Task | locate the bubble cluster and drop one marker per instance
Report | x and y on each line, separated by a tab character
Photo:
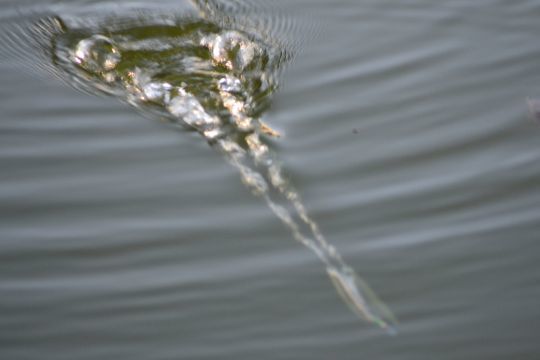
208	78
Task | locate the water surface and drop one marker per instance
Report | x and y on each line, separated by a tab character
406	131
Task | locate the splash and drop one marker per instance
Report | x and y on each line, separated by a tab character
217	79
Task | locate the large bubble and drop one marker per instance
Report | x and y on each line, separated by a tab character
96	54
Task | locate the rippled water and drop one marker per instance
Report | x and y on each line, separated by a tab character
405	128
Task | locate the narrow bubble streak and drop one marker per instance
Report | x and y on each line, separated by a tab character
354	292
255	181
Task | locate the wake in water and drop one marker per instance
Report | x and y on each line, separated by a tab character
204	72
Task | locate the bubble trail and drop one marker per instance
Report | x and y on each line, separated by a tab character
355	292
206	74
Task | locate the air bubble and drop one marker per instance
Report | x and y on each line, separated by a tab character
230	84
189	109
157	92
232	50
97	54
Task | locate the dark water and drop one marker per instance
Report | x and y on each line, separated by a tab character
406	131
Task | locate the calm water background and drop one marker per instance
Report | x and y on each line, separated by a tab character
408	136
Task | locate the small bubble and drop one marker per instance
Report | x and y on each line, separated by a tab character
230	84
157	92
